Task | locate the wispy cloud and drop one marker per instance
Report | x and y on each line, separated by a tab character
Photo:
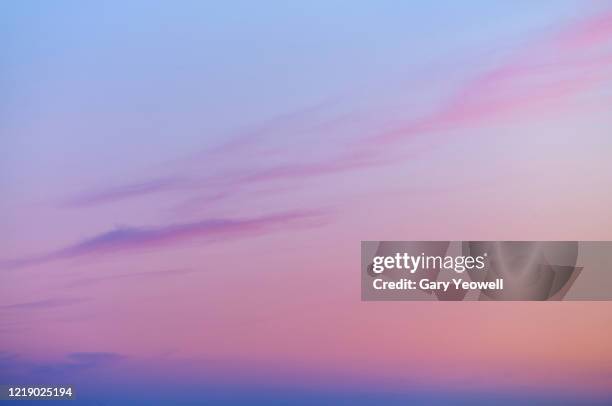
300	121
44	304
75	363
342	163
589	32
133	238
242	145
539	76
122	192
133	275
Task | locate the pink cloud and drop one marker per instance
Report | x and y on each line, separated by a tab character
540	75
540	78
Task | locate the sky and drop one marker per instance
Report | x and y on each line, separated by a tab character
185	187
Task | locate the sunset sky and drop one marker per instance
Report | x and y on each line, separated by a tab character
185	185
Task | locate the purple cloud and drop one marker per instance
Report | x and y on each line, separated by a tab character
305	120
75	363
124	192
18	368
131	238
516	86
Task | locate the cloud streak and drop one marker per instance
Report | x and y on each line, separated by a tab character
551	70
541	76
75	363
125	191
44	304
139	238
134	275
244	144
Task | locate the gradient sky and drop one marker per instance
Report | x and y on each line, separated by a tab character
185	187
